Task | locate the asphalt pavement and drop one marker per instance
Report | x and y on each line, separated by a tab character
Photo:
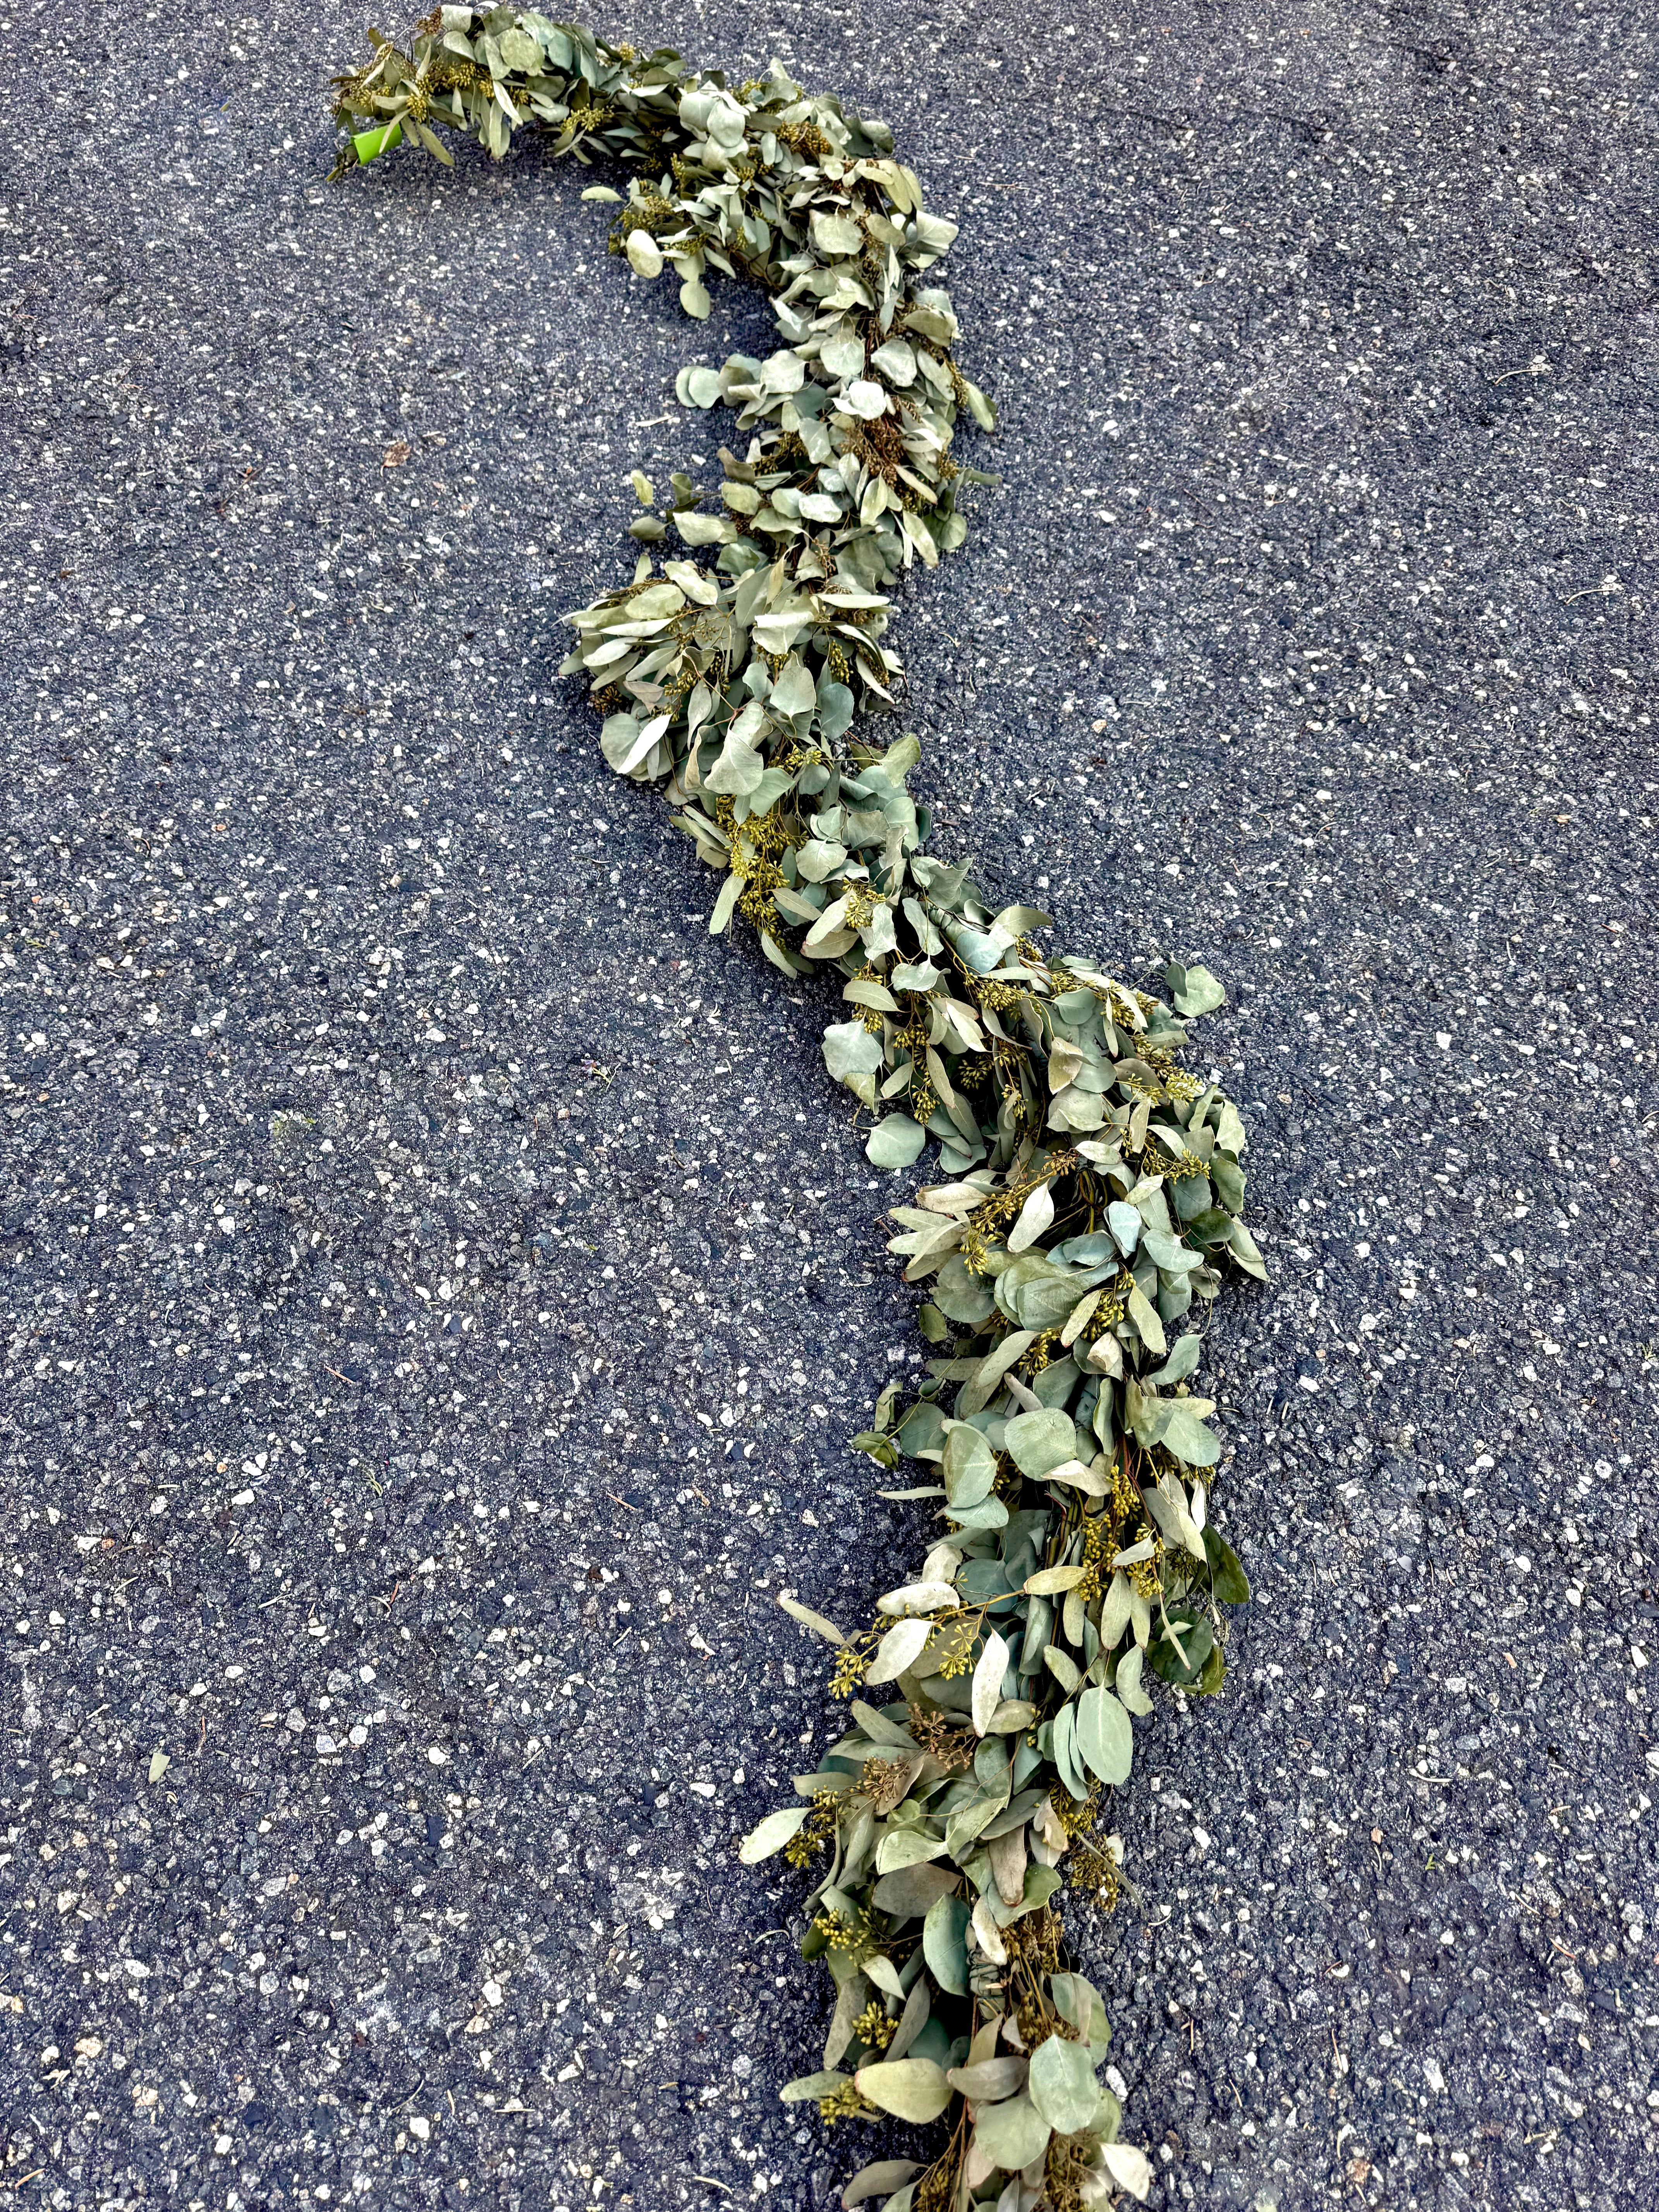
440	1282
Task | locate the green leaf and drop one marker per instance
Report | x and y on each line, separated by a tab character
696	387
990	2079
1167	1252
929	1320
771	1834
1181	1361
989	1513
793	692
644	254
1196	1640
963	1297
1194	990
726	905
834	237
1128	2167
1229	1179
842	357
988	1671
1078	2001
1104	1736
1144	1314
880	1447
910	1598
1245	1251
813	2086
1182	1432
835	711
903	1847
969	1466
1126	1223
913	2089
1063	2084
1040	1441
694	296
520	52
911	1892
1035	1216
1040	1883
899	1651
877	2180
1127	1681
980	407
1072	1772
1010	2135
1211	1224
370	144
1049	1582
1039	1293
626	743
1228	1580
944	1943
896	362
815	1621
849	1050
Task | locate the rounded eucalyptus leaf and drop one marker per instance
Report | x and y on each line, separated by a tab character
644	254
1009	2136
1061	2084
910	2088
1041	1441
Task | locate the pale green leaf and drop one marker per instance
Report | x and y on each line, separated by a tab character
771	1834
1103	1736
896	1142
1061	2084
877	2180
1035	1216
913	2089
1040	1441
1129	2167
1194	990
816	1621
899	1650
988	1671
849	1049
644	254
944	1943
1011	2135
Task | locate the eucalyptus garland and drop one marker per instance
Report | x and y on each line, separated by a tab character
1089	1193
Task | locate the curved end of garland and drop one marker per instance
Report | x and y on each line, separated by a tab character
1090	1193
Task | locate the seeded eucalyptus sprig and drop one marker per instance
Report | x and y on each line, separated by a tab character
1089	1192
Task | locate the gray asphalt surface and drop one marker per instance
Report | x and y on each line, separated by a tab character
440	1283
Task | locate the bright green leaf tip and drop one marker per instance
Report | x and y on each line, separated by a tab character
370	144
